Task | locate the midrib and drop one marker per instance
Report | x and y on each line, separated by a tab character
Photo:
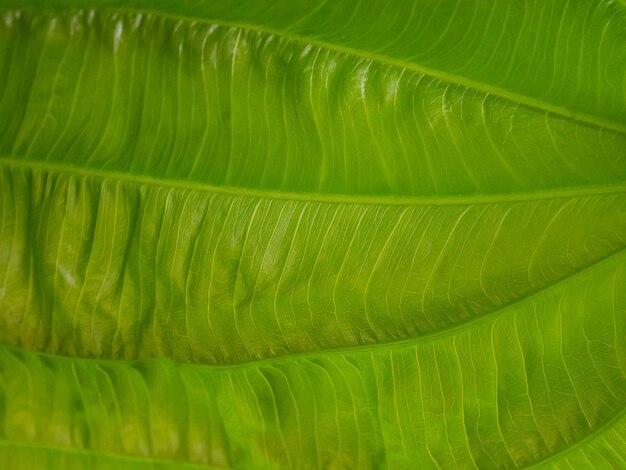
148	460
518	98
447	200
593	434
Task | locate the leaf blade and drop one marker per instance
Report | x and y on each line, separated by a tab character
402	234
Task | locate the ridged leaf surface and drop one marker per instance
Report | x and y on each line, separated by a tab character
272	234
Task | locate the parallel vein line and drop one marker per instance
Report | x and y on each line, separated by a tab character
508	95
597	432
443	333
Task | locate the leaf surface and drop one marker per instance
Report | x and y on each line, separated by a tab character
326	235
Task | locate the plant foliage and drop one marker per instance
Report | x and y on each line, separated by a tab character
347	234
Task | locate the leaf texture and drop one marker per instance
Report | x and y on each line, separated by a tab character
325	235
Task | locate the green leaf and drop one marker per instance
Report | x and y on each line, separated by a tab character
272	234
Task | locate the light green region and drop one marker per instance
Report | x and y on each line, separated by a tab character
348	234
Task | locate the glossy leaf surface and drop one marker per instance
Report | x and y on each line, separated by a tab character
325	235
